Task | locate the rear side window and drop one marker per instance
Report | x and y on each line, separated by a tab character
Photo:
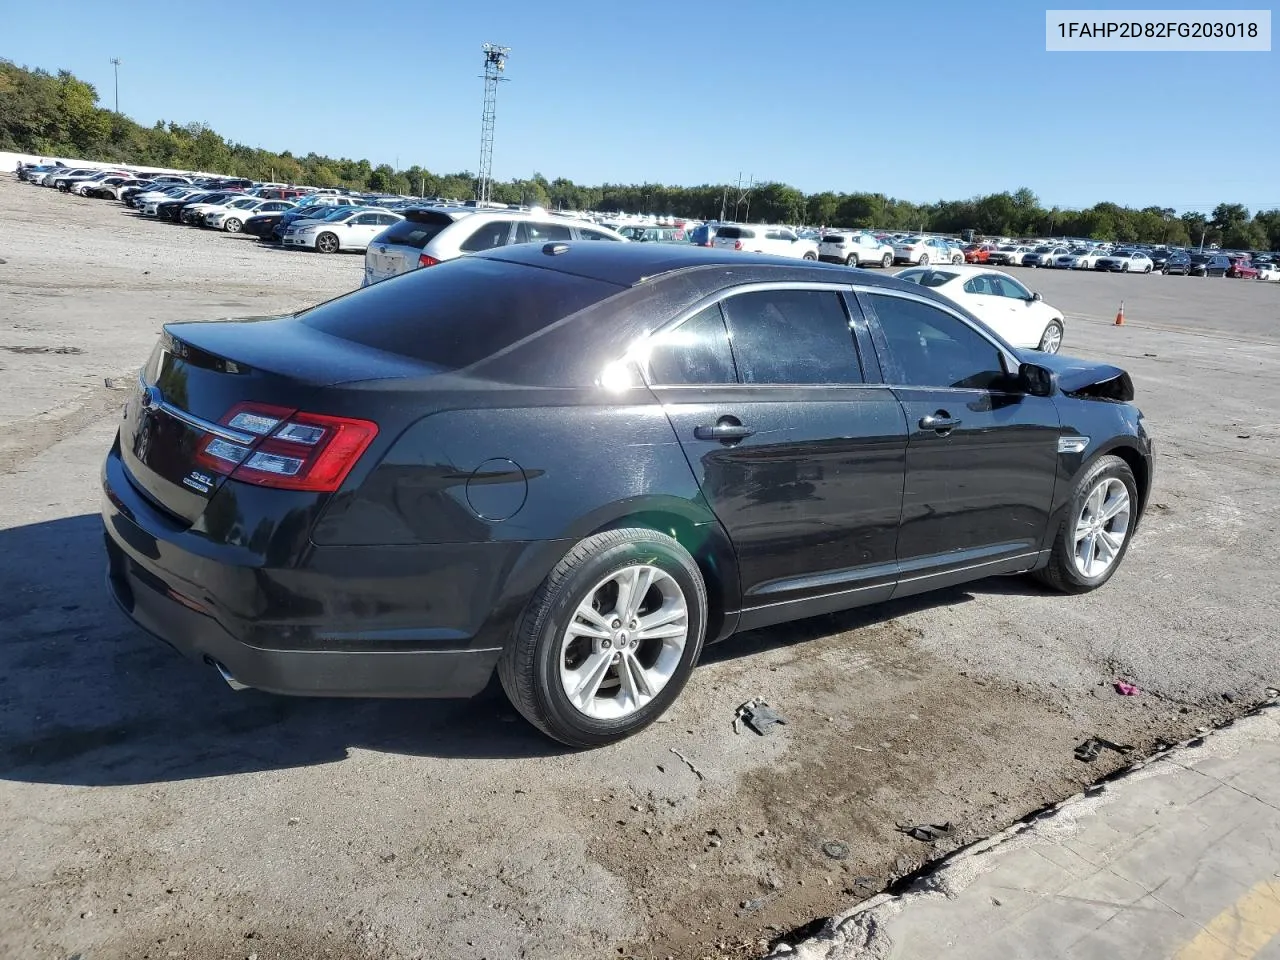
417	230
458	312
792	337
487	236
696	352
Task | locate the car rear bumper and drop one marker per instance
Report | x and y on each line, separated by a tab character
158	578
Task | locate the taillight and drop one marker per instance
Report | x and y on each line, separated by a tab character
292	449
426	260
737	244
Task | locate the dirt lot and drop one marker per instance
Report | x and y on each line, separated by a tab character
146	811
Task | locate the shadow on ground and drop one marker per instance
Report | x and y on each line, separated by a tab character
87	698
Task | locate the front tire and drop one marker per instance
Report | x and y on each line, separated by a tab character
811	256
1147	268
232	225
1095	533
609	640
327	243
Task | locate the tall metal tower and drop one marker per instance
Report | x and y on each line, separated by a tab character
495	62
115	62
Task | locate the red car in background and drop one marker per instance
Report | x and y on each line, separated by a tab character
1243	268
978	252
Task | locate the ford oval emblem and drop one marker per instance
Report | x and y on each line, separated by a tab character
151	398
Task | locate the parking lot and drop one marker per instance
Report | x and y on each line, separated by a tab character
146	810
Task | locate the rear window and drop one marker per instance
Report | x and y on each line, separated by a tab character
416	230
833	238
734	233
456	313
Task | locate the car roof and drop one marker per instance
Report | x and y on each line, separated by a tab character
630	264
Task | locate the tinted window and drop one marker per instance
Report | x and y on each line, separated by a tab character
434	315
417	230
1008	287
585	234
792	336
696	352
929	278
487	236
931	348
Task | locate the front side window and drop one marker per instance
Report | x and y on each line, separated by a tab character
932	348
792	337
530	232
696	352
1008	287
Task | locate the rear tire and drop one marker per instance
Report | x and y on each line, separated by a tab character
327	243
534	662
886	261
958	258
924	260
851	260
1064	571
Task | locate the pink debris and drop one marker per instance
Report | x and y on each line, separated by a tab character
1126	689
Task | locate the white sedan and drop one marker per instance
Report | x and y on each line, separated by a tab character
998	300
352	229
1268	271
1086	260
231	218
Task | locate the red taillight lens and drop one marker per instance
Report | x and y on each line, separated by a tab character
427	261
294	450
737	244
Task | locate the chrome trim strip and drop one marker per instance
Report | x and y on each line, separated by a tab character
972	566
191	420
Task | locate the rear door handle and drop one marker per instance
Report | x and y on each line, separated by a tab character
940	421
726	430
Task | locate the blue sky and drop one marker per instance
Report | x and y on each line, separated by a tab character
926	101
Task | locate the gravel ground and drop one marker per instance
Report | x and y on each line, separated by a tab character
146	811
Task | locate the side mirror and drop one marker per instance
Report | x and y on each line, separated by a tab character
1036	297
1035	380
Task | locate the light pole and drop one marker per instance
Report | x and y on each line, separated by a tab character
115	63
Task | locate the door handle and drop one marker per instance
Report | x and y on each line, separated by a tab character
726	430
941	421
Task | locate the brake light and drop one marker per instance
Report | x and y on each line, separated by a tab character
293	450
425	260
737	244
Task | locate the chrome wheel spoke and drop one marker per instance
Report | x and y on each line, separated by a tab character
1101	527
589	676
1109	544
634	680
627	581
588	623
1115	506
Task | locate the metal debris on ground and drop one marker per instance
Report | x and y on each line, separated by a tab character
1125	688
1091	748
757	715
927	832
835	850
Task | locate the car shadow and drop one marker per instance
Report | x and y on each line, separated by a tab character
87	698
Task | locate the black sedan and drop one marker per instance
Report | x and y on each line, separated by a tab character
575	464
263	225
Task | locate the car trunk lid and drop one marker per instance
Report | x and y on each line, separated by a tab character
181	414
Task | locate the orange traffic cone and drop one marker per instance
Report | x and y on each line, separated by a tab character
1120	315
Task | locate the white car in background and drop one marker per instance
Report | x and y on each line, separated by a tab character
352	229
761	238
148	202
998	300
1087	260
430	235
78	187
231	218
925	250
1268	271
855	248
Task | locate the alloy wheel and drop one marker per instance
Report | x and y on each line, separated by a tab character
1101	527
624	642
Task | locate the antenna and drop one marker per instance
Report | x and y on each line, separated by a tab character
495	62
115	63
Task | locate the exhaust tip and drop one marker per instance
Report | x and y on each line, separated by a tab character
223	672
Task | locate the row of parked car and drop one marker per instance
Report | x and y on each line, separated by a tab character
1126	260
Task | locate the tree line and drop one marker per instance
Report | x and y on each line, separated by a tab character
57	114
